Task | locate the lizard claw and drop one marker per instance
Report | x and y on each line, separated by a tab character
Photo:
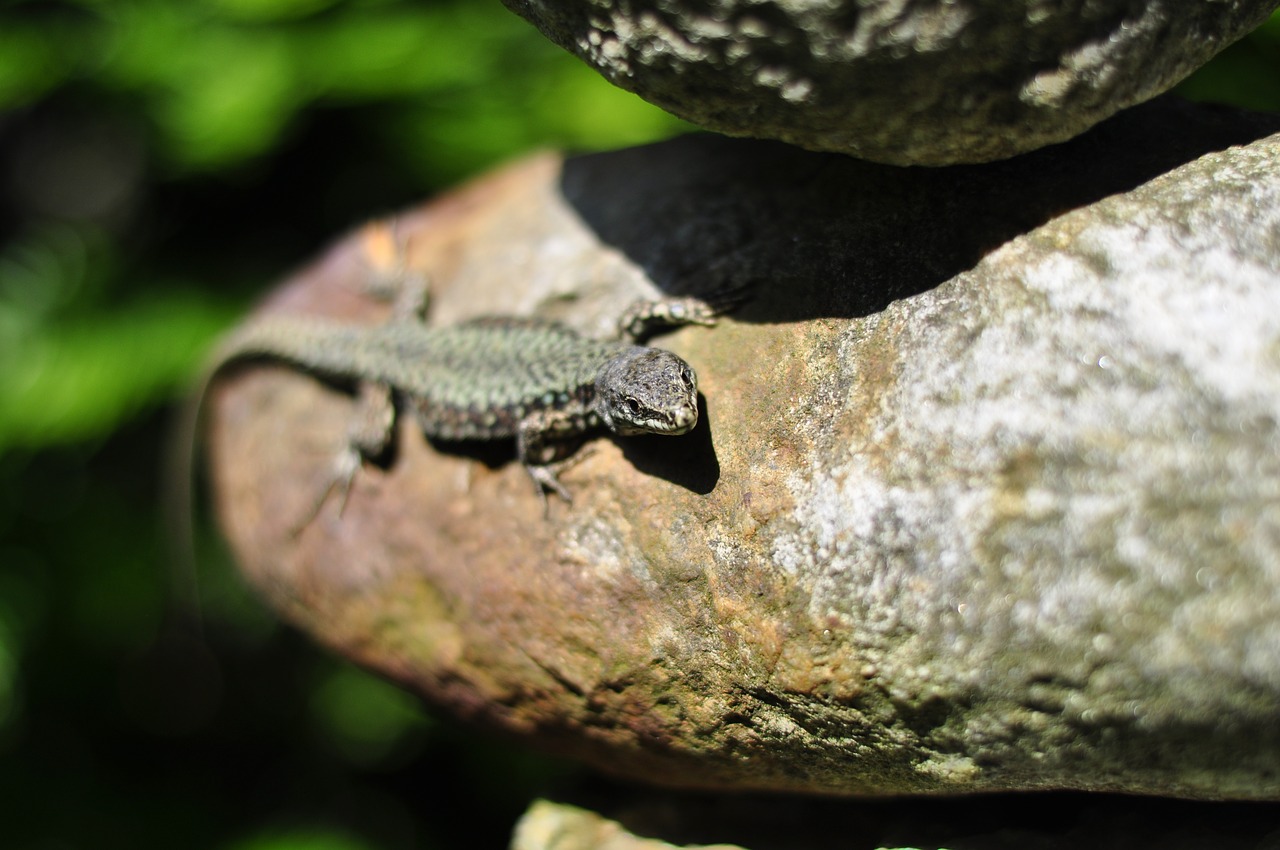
544	479
345	467
343	474
546	476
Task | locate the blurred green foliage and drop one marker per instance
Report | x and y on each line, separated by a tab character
159	94
1246	74
221	80
161	161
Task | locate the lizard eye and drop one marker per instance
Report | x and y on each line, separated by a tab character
632	405
687	378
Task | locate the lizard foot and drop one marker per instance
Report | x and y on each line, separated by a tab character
388	275
341	476
544	479
546	476
645	318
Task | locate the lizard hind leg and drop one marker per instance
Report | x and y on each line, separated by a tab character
388	274
368	435
412	298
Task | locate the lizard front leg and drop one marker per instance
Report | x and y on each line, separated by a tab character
645	318
373	423
545	443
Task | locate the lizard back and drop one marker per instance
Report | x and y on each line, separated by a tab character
473	380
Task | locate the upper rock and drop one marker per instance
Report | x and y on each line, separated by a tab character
894	82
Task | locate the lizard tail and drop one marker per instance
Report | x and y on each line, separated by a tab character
178	489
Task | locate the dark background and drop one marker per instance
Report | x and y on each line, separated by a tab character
161	163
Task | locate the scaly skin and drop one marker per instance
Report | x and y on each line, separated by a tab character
487	379
478	380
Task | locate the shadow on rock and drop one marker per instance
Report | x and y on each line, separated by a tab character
702	214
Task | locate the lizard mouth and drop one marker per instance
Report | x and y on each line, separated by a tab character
684	419
679	421
674	423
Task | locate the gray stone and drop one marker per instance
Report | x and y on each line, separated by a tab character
895	82
633	819
559	826
986	493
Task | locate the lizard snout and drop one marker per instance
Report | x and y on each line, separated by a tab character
684	418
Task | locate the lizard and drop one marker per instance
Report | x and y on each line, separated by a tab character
530	380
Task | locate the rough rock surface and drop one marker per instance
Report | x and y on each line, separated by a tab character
894	82
986	493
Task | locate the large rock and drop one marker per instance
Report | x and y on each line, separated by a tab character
986	493
894	82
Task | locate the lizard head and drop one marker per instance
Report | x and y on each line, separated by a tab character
647	391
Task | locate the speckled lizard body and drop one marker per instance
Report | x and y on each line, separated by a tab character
531	380
488	379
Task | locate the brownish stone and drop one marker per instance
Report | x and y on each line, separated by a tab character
890	558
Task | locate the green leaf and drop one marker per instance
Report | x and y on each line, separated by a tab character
364	717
